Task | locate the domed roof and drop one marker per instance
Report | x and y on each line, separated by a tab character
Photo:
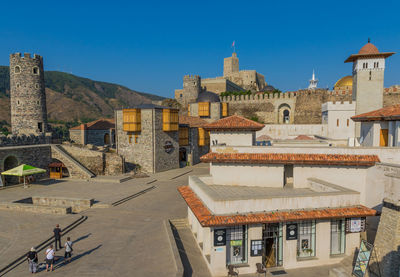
368	48
346	81
208	96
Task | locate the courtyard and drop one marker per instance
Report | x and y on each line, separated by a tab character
125	233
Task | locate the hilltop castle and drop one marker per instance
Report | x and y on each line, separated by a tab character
201	97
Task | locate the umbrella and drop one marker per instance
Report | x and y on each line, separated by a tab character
23	170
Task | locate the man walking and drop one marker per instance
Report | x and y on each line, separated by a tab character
49	258
57	236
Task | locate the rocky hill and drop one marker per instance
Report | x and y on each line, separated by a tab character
72	98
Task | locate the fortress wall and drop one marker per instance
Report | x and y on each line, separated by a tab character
286	131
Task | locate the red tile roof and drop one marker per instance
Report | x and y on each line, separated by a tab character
303	137
192	121
288	158
387	113
100	124
370	51
207	219
264	137
368	48
235	122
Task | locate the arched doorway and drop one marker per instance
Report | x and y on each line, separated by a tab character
284	111
182	156
106	139
58	169
9	163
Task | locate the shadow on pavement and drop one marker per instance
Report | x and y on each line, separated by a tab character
59	264
187	268
81	238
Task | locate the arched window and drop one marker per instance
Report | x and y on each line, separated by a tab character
17	69
35	70
286	116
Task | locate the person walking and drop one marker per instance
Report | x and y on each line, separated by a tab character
57	236
32	260
49	258
68	250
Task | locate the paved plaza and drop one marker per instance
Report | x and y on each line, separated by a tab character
129	239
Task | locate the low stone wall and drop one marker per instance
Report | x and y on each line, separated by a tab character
76	204
22	207
288	131
13	140
114	164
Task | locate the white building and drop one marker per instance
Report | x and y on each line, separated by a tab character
283	209
380	127
337	116
313	82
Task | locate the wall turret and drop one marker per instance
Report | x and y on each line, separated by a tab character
27	94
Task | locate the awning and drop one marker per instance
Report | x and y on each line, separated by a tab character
23	170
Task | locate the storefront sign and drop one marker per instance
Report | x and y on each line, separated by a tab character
355	225
219	237
236	242
291	231
168	147
256	248
360	267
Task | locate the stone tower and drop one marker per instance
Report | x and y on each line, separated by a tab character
28	96
368	76
191	89
231	65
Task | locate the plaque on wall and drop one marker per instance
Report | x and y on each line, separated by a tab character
256	248
219	237
168	147
291	231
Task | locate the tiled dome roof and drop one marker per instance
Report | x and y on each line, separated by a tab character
208	96
368	48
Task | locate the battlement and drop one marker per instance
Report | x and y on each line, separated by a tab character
18	140
26	56
339	106
191	77
392	90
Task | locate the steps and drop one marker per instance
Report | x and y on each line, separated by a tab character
75	168
180	223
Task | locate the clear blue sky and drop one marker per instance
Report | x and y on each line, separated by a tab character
149	45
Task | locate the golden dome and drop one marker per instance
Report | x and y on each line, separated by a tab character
346	81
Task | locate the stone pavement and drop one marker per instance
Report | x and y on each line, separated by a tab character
126	240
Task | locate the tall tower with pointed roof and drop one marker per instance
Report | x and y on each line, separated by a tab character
313	82
368	76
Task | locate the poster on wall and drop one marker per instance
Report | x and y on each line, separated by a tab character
363	257
291	231
256	248
355	224
219	237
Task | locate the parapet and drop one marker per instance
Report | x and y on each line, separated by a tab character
191	77
26	56
17	140
339	106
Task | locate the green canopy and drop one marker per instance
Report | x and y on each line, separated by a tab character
23	170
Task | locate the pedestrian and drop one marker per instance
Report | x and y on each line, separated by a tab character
68	250
57	236
49	258
32	260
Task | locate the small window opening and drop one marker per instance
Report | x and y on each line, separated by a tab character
348	122
35	70
17	69
337	122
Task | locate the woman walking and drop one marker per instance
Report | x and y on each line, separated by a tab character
32	260
68	250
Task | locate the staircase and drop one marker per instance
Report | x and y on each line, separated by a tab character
75	168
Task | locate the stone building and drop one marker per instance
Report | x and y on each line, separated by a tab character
99	132
147	135
194	141
208	106
276	206
27	94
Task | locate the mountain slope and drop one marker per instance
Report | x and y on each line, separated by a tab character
70	97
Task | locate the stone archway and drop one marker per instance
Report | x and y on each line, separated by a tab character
284	114
9	163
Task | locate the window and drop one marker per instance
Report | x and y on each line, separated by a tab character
338	237
36	85
370	75
337	122
236	245
183	136
204	137
170	120
180	95
306	239
348	121
130	138
17	69
35	70
18	85
131	120
136	138
204	109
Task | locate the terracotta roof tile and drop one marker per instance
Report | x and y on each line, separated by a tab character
100	124
207	219
235	122
303	137
192	121
264	137
289	158
386	113
368	48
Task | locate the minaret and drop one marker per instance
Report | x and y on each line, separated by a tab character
368	76
313	82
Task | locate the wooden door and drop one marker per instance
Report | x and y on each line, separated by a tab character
383	137
270	252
